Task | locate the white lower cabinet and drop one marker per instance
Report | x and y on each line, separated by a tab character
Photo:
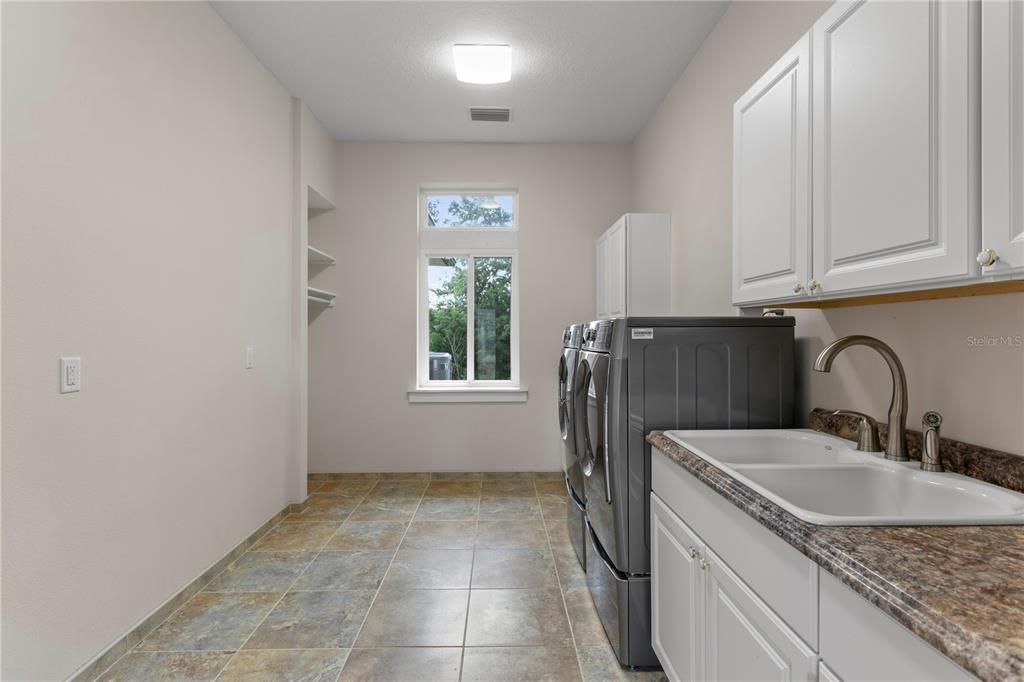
732	601
708	624
744	639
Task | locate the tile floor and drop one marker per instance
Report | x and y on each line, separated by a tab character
396	578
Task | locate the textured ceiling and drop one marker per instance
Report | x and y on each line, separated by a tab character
383	71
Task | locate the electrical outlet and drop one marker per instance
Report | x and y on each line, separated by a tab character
70	375
250	357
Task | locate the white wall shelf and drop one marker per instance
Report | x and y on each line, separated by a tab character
318	257
320	297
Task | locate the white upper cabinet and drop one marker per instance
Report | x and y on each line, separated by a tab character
771	184
894	177
634	266
1002	92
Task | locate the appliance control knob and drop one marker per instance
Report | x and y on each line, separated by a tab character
987	258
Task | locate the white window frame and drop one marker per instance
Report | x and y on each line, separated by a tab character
470	243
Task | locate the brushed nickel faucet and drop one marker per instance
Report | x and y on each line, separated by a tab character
896	442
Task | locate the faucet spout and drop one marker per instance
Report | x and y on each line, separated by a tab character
896	441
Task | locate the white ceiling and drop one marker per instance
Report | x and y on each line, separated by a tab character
383	71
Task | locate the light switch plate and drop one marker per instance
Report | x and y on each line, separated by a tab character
70	374
250	357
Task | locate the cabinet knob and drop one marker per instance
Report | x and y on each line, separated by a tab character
798	287
987	257
813	285
693	552
703	564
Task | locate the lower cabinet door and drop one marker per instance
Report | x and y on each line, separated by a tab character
677	594
744	639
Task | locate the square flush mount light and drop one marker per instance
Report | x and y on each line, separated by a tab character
483	64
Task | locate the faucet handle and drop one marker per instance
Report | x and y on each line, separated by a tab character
931	459
867	430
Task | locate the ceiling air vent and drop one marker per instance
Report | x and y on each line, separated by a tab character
490	114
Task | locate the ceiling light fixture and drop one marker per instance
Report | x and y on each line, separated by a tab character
483	64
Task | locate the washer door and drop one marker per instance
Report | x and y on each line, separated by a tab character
591	399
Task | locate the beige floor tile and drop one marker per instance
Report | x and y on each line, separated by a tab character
467	488
511	534
513	568
440	535
295	537
505	508
520	664
386	509
508	487
431	618
430	569
345	570
549	475
553	488
405	476
448	509
368	535
307	665
570	572
456	475
313	620
600	665
403	665
517	618
261	572
325	509
388	489
508	475
161	666
211	621
587	629
345	488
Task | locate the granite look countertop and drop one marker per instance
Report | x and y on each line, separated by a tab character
960	588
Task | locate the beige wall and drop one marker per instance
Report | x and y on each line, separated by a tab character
682	162
147	228
363	352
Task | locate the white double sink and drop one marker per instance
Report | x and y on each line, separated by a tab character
825	481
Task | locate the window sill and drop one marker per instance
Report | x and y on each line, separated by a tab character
462	394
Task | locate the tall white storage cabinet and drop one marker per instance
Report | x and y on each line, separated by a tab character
634	266
1002	135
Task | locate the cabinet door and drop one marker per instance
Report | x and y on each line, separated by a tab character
602	277
894	170
616	269
676	594
771	207
826	674
744	639
1002	134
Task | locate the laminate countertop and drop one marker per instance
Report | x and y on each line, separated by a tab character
960	588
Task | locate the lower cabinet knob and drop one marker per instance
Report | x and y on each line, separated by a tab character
987	257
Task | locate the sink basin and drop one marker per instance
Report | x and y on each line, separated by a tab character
824	480
767	446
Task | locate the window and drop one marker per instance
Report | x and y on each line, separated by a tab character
468	312
469	210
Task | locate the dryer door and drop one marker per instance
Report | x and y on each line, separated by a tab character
564	397
591	401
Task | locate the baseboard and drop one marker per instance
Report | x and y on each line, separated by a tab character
106	658
432	476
